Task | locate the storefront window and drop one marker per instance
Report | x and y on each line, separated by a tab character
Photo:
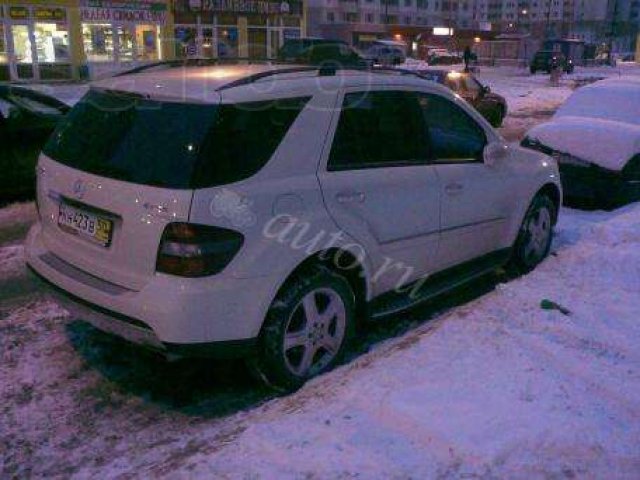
52	42
186	45
21	43
98	42
3	43
126	45
227	42
147	42
207	42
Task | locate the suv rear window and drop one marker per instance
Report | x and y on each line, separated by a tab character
169	144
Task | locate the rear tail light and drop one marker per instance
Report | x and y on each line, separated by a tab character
191	250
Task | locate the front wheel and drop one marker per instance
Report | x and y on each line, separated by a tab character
307	329
536	233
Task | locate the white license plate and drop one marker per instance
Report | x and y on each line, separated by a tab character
81	222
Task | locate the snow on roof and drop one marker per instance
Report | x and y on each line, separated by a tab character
615	99
606	143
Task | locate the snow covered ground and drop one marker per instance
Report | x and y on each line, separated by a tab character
484	383
497	387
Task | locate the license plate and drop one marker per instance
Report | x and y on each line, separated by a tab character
89	225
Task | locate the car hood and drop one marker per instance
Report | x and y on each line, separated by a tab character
608	144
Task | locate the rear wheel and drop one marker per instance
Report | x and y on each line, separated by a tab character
536	233
307	329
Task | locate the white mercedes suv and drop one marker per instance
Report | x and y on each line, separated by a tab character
260	211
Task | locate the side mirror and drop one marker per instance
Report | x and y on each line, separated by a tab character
495	152
486	89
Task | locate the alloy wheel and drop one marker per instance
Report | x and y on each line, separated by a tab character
314	332
538	229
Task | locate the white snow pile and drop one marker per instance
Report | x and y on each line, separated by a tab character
606	143
599	123
498	388
616	99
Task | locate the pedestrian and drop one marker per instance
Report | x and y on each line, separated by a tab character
467	58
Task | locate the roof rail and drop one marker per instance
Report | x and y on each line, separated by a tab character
192	62
322	70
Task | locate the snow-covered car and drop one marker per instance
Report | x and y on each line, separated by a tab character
260	211
595	137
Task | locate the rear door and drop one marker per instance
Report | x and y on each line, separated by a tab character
378	186
115	172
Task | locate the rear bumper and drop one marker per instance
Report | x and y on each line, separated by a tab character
135	331
213	316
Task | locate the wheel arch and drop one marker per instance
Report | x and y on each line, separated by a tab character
340	260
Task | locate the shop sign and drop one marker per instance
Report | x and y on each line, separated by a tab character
18	13
123	11
239	6
113	15
50	13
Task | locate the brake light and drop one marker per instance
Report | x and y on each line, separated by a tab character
191	250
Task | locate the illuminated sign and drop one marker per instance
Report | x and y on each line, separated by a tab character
443	31
18	12
123	11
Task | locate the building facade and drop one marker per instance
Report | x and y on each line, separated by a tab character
358	21
75	39
253	29
49	40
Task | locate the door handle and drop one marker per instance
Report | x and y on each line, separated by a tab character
454	188
350	197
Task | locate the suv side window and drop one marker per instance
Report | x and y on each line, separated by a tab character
244	138
379	129
453	135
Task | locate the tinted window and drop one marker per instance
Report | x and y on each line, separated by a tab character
453	135
379	129
170	144
243	139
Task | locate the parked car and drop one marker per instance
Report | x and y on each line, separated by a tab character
27	118
316	51
544	60
386	52
595	136
264	222
492	106
444	58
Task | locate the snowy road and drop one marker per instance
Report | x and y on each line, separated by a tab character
497	387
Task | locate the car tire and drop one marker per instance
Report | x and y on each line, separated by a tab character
532	70
534	239
307	330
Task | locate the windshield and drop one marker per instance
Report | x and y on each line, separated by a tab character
169	144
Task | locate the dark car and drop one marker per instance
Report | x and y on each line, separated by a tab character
595	138
492	106
27	118
544	60
317	51
441	58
